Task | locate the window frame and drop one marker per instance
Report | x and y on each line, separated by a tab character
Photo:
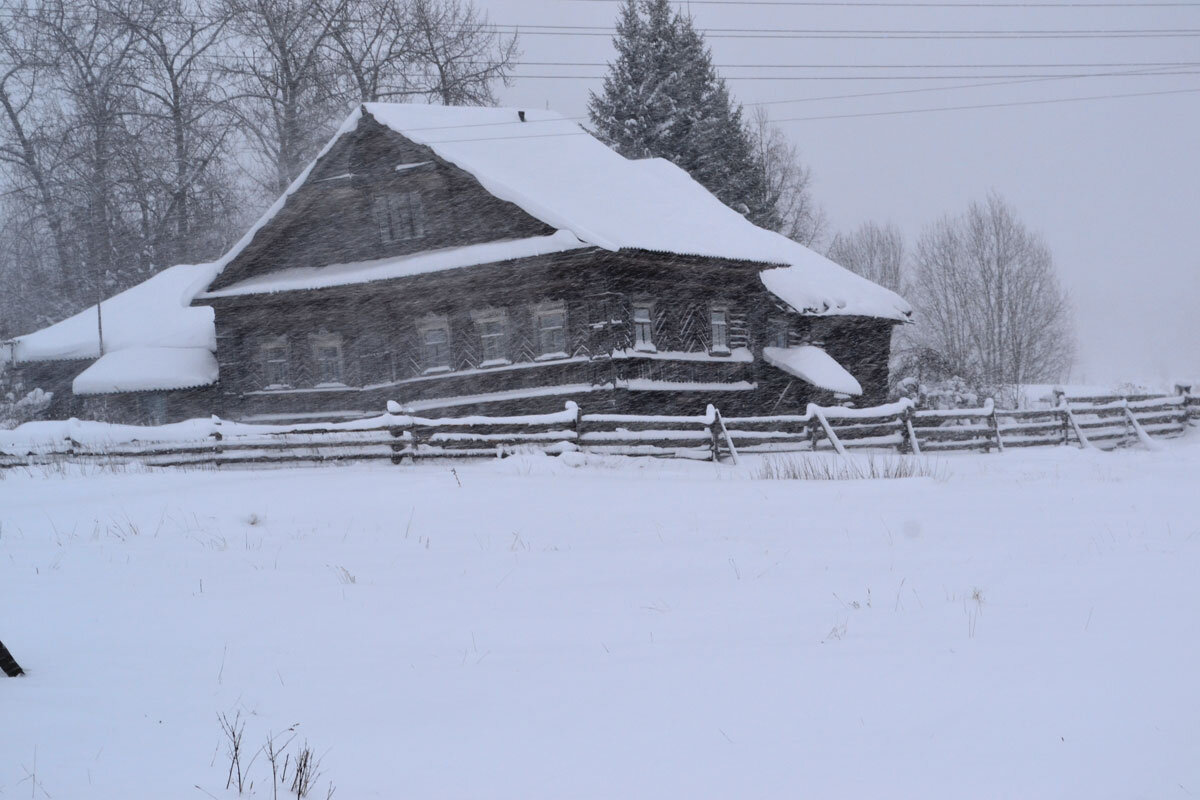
645	344
400	216
778	332
723	347
541	313
427	326
498	339
325	340
265	348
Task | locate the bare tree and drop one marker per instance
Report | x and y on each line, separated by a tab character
27	139
459	55
374	58
286	94
787	182
93	60
988	298
874	251
186	128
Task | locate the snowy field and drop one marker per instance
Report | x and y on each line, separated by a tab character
1025	625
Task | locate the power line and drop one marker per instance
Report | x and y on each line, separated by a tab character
1052	101
1094	65
986	105
880	77
844	4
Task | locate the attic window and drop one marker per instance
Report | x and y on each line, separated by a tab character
400	216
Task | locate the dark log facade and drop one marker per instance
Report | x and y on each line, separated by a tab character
630	331
481	339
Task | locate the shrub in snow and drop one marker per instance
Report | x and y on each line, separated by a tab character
18	406
953	392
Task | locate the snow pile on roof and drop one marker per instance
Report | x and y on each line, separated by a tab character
558	173
299	278
812	364
140	369
155	313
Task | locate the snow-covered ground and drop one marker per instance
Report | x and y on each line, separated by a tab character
1025	626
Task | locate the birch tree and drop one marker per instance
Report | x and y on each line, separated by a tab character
988	298
874	251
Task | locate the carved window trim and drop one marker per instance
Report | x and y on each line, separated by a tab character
643	326
550	330
433	332
718	329
400	216
492	327
273	353
778	329
329	363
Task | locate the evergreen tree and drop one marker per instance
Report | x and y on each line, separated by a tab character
663	98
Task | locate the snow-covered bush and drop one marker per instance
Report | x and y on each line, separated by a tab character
953	392
18	406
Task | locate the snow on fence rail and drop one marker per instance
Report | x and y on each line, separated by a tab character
1107	422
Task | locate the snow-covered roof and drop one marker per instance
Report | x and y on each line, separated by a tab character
298	278
812	364
155	313
141	369
557	172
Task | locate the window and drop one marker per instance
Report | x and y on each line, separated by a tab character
276	374
552	331
720	330
156	408
643	337
400	216
492	338
777	333
435	347
327	357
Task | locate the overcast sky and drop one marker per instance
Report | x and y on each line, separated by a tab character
1113	185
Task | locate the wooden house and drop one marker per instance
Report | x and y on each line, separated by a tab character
483	260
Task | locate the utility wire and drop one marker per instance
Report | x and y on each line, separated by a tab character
843	4
987	105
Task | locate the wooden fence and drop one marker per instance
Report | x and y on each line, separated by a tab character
1105	422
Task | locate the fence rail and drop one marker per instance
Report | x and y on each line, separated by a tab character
1103	421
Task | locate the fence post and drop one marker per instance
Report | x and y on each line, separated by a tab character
996	430
217	438
1189	403
577	423
910	435
8	664
827	429
404	433
733	453
710	424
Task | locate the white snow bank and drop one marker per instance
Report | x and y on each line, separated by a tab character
155	313
140	369
812	364
300	278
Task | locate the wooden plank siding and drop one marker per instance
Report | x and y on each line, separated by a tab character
332	219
